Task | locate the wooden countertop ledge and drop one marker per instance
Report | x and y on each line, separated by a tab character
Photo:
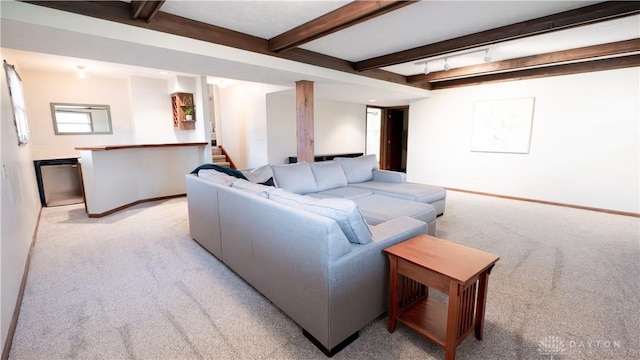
137	146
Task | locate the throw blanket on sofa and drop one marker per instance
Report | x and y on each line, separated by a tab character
228	171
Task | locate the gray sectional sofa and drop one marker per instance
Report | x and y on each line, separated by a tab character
381	195
315	257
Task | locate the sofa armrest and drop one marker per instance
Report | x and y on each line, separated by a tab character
359	280
403	227
389	176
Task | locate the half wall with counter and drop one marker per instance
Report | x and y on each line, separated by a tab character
118	176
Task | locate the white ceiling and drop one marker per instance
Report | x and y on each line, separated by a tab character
264	19
601	33
414	25
46	45
428	22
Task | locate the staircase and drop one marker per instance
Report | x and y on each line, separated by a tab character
218	155
218	158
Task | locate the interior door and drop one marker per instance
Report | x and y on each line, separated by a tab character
394	126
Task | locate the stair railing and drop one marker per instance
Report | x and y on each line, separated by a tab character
231	163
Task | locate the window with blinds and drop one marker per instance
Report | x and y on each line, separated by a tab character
18	103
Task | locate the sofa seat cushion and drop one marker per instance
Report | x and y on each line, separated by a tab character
407	191
347	192
297	178
345	212
380	208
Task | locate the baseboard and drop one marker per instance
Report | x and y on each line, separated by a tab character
119	208
23	283
336	349
608	211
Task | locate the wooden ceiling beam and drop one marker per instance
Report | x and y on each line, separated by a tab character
341	18
582	16
555	70
136	8
120	12
578	54
145	9
314	58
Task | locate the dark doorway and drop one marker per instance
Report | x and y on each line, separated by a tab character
393	144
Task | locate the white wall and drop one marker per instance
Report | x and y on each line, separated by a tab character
19	210
243	122
152	113
585	142
140	110
338	127
42	88
281	128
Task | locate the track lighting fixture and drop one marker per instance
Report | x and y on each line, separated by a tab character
447	66
487	58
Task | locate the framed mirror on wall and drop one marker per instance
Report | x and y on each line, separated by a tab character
81	119
17	102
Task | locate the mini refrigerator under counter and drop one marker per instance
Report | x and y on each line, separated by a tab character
59	181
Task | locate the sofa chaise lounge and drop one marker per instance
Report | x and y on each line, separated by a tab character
380	194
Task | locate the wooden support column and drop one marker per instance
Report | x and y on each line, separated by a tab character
304	120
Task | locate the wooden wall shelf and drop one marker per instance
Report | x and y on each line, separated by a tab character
179	103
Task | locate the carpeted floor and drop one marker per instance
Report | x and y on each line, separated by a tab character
134	285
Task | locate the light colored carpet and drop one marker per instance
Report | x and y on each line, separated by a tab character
134	285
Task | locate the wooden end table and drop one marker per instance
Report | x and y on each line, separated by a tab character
453	269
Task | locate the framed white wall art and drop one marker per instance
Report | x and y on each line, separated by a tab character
502	125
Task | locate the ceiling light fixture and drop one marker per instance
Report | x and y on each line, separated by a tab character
487	58
426	67
81	73
447	66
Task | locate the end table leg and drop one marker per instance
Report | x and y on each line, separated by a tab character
481	304
453	319
393	293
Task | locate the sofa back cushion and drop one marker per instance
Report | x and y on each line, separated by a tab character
328	175
247	186
359	169
296	178
348	216
216	177
259	175
345	212
288	198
